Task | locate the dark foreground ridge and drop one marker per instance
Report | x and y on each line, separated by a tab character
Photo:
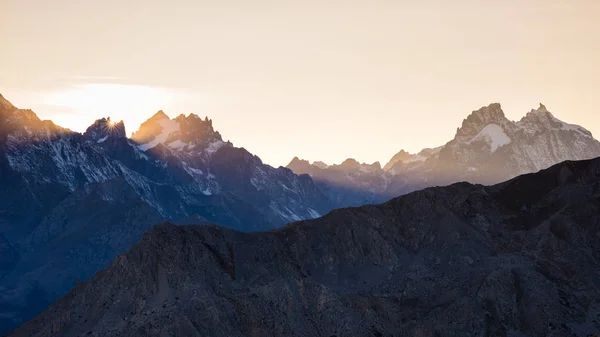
516	259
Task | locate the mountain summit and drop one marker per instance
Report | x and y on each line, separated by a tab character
487	148
71	202
104	129
189	133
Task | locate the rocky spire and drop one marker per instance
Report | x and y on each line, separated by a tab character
103	129
478	119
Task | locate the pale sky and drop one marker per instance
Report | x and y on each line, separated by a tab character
322	80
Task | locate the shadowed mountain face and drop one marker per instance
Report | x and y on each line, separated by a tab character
521	258
70	202
487	148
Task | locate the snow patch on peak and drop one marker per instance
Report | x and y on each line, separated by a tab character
573	127
214	147
178	145
493	134
320	164
541	120
415	158
168	127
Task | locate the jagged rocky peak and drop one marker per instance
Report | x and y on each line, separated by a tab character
398	157
151	128
298	165
193	129
539	114
181	133
103	129
479	119
11	114
542	120
24	123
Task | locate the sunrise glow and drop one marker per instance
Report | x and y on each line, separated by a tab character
118	101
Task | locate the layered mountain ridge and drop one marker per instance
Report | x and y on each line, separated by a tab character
520	258
71	202
487	148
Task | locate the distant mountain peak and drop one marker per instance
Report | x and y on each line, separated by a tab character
542	120
297	162
320	164
541	111
401	156
479	119
183	133
350	162
103	129
160	115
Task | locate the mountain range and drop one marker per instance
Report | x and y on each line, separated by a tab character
71	202
521	258
487	148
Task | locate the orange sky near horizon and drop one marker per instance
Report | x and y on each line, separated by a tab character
321	80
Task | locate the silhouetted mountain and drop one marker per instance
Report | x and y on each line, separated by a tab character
520	258
70	202
487	148
103	129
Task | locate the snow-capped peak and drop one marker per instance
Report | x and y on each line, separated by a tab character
189	134
399	157
479	119
541	120
166	127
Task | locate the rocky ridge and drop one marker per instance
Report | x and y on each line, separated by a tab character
70	202
520	258
487	148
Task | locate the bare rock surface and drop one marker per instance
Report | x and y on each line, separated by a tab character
521	258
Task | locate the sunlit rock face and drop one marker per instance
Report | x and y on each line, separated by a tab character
183	133
22	124
70	202
520	258
487	148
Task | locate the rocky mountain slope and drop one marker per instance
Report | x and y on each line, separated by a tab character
521	258
70	202
487	148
